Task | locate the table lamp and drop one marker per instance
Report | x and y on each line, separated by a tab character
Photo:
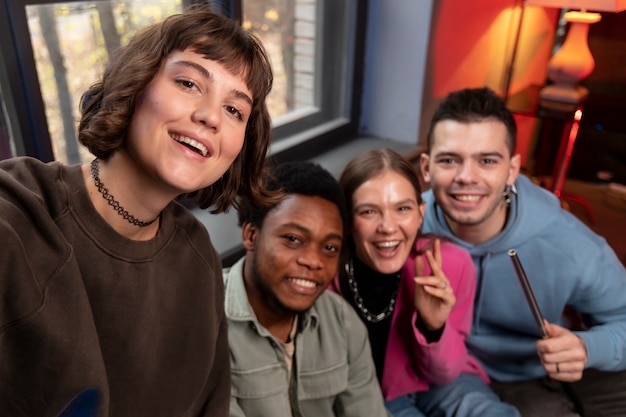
573	62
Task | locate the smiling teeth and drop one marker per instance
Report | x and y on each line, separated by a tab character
389	244
202	150
303	282
467	197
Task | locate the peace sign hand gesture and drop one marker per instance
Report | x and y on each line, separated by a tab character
433	297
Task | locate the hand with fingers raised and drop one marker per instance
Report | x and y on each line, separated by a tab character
433	297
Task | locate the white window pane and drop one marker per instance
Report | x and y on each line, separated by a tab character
288	29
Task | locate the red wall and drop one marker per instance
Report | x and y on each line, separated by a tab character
471	45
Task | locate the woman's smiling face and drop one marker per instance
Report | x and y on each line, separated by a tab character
386	217
190	122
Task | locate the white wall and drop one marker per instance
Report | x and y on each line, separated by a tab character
396	50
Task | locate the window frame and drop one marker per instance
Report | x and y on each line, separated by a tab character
333	125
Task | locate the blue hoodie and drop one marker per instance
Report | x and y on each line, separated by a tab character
566	264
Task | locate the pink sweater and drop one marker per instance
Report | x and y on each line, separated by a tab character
411	363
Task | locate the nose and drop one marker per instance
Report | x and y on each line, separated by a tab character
208	114
387	224
310	258
466	173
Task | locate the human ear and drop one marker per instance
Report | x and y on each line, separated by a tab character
514	168
425	166
248	236
422	210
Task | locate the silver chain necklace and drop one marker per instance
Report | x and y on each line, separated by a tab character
358	300
95	173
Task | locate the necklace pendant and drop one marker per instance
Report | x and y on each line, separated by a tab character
360	304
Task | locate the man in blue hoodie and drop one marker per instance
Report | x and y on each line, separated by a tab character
478	199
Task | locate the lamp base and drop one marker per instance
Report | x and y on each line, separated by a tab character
564	93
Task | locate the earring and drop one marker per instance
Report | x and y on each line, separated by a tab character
509	190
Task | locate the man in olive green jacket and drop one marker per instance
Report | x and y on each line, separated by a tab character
296	349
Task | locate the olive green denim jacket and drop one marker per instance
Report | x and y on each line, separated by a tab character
333	371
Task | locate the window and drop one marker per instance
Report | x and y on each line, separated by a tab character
55	50
71	44
288	31
308	43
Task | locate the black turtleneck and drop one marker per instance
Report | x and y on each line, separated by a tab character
376	290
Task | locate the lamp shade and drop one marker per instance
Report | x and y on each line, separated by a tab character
592	5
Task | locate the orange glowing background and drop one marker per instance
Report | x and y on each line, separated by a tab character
471	45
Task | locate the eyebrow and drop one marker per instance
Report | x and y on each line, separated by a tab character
407	201
307	231
209	77
479	154
396	203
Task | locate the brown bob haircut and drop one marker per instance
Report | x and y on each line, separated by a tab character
107	107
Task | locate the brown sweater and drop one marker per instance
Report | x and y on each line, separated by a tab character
82	306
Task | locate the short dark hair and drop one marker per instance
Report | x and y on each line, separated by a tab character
295	177
107	107
474	105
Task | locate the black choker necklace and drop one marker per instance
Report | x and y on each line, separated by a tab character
95	173
358	300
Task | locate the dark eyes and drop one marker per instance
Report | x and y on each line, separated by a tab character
450	161
235	112
291	238
295	242
331	248
190	85
371	212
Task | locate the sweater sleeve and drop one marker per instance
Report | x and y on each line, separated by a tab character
443	361
601	299
48	349
38	331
